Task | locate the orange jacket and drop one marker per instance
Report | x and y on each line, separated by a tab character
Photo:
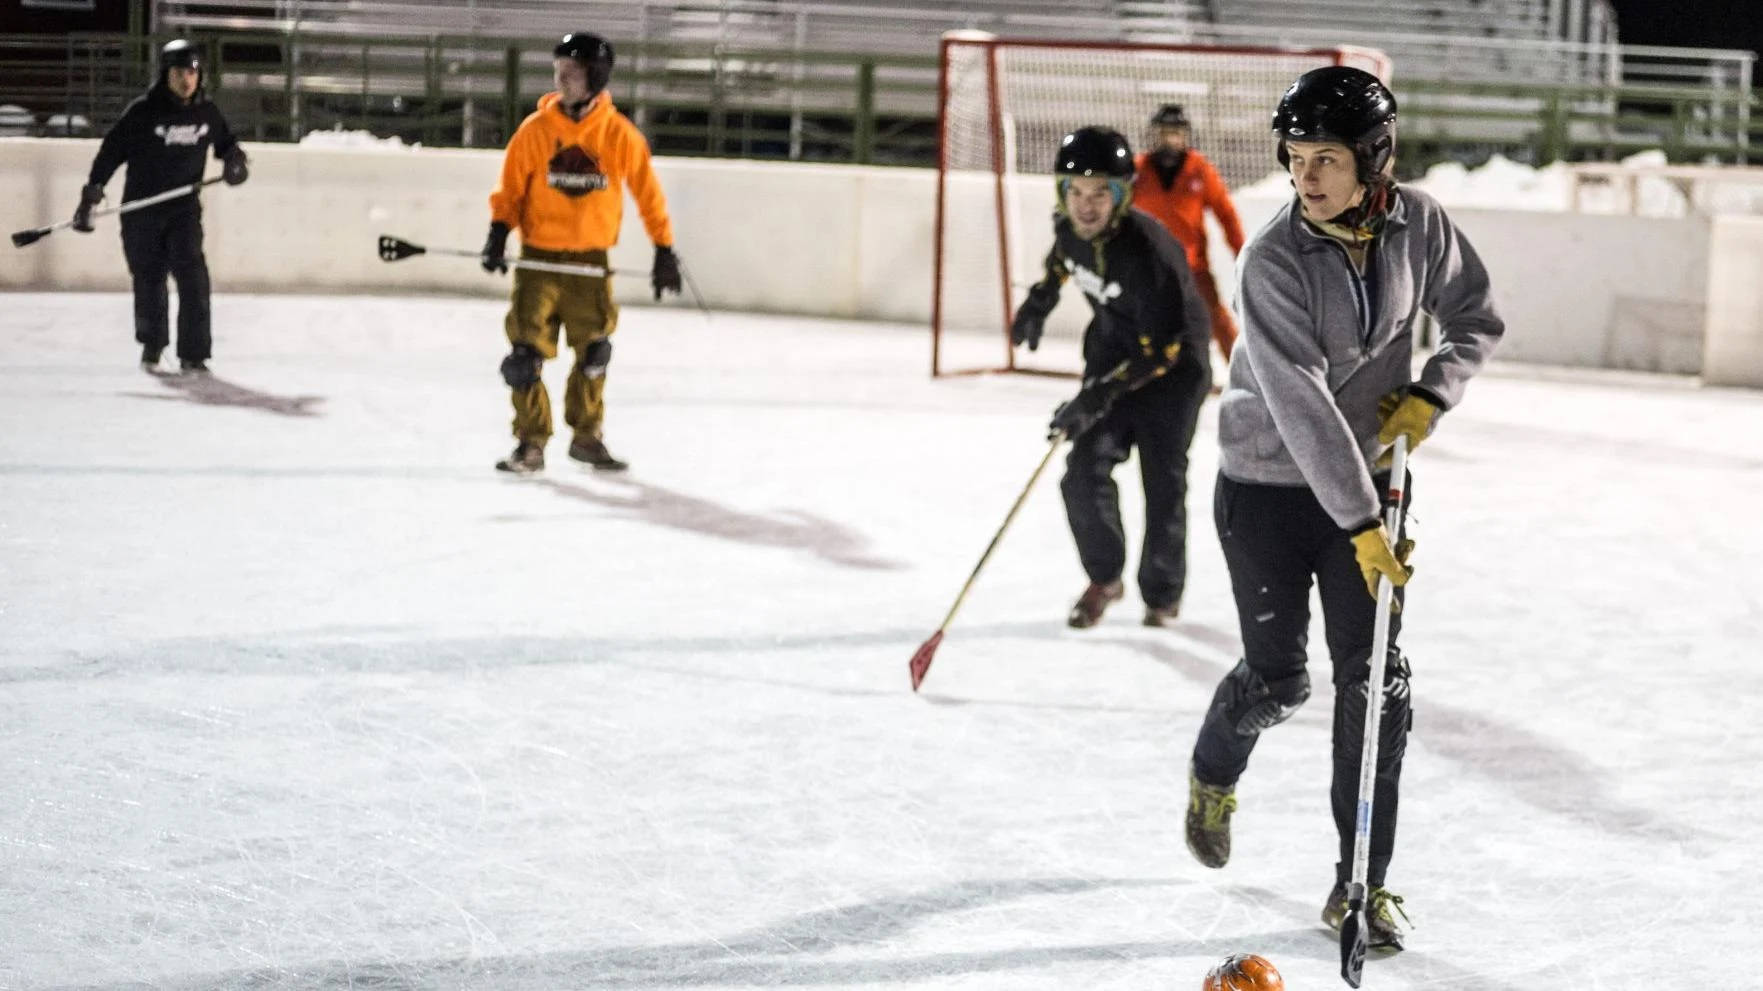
563	180
1181	207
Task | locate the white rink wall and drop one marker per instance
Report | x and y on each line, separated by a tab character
819	240
840	241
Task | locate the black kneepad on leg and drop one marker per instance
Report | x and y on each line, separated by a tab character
1251	703
521	368
1394	723
595	358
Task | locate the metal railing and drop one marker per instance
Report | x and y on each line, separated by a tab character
719	100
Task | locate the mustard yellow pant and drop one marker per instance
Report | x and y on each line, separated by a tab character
581	306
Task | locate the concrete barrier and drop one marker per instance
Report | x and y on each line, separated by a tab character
829	240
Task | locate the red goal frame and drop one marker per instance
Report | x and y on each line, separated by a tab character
1371	59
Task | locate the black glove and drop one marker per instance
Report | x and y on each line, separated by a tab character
233	168
495	247
91	194
1031	317
1082	411
1149	365
664	274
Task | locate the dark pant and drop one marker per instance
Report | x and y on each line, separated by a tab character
162	241
1159	418
1275	539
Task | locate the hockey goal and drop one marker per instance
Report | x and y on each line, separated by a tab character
1006	102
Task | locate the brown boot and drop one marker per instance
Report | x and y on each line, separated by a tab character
1161	615
590	450
527	458
1091	604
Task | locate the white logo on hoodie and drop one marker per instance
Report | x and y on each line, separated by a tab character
181	134
1093	285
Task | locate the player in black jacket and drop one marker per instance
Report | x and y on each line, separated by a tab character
1149	316
164	136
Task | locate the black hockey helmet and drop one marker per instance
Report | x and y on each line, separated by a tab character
1096	151
593	52
1341	104
180	53
1171	115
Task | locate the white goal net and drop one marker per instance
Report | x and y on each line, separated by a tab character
1005	103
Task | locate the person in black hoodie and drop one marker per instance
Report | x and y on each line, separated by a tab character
165	136
1145	372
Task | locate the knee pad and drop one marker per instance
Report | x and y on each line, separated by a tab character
595	358
521	368
1393	725
1250	703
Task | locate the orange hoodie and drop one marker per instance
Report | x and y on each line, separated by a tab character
563	180
1181	207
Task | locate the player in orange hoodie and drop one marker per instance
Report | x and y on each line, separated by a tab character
562	186
1176	184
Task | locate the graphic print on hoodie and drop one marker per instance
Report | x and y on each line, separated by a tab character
573	172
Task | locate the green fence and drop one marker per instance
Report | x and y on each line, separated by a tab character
711	100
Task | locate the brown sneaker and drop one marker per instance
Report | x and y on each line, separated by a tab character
1091	604
590	450
526	459
1383	932
1161	615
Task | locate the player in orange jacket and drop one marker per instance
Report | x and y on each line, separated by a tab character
1176	184
562	186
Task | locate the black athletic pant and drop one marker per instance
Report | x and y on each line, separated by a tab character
1159	418
167	240
1275	539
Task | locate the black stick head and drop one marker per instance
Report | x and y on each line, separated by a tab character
1353	942
22	238
397	249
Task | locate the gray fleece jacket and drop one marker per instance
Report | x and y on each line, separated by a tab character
1321	344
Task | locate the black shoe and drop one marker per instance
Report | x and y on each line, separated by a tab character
1208	821
1161	615
196	367
1382	931
150	357
592	451
526	459
1090	605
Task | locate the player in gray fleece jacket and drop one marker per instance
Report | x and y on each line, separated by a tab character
1320	386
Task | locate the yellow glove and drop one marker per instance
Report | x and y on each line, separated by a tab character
1377	557
1406	411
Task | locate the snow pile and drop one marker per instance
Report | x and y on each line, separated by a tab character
1502	184
339	138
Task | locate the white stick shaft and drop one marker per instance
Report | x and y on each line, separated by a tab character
1380	648
131	205
170	194
561	268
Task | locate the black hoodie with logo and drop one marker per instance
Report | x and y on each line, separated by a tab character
1138	283
165	142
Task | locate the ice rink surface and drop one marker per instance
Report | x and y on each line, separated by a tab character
295	691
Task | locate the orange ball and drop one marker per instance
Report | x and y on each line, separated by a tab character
1244	972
